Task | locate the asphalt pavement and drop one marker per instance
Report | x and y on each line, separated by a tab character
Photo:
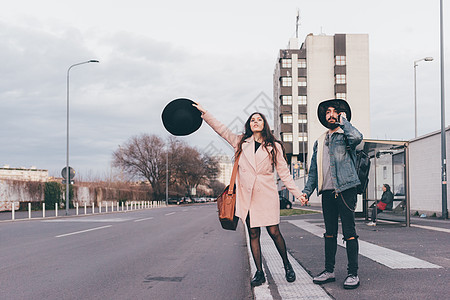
173	253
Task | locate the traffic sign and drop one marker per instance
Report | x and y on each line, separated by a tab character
71	173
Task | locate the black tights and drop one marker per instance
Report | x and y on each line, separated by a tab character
255	245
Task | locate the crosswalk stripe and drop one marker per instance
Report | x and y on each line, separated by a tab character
390	258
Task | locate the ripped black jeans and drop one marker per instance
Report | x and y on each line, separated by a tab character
333	206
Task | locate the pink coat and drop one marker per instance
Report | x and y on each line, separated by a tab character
256	190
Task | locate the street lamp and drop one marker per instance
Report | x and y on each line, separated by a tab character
443	139
67	145
415	92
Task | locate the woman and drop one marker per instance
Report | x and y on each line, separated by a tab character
386	202
257	202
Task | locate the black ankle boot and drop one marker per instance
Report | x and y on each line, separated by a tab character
258	279
290	274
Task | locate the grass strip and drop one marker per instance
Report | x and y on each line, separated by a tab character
295	211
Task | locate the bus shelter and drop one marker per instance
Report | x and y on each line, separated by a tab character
389	164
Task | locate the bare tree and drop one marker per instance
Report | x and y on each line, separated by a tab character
217	187
143	157
188	167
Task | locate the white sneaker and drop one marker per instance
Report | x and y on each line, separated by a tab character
372	224
324	277
351	282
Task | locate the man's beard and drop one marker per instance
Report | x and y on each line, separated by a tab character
332	125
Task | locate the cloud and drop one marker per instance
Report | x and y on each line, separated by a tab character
121	96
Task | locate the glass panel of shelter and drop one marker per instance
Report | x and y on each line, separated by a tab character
387	167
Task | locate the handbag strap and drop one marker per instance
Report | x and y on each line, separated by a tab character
233	176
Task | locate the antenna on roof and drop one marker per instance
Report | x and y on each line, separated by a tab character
297	23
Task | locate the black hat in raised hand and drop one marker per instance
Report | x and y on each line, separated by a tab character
180	118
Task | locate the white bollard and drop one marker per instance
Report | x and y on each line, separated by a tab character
29	210
56	209
43	210
85	208
106	206
112	206
118	206
93	208
100	208
76	206
122	205
13	211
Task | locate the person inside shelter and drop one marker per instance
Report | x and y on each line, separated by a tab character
387	199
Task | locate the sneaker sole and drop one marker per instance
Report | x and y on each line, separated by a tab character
324	281
351	287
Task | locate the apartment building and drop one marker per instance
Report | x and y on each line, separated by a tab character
323	67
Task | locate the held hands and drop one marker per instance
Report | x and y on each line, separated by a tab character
199	107
303	199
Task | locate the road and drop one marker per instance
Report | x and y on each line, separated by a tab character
175	252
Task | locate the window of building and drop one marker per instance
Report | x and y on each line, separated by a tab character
287	118
286	100
341	96
302	100
340	79
302	118
301	63
287	137
302	137
340	60
286	63
302	81
286	81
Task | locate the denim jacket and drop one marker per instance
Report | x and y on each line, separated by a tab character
342	147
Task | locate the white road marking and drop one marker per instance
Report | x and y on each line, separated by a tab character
390	258
82	231
170	214
139	220
87	220
431	228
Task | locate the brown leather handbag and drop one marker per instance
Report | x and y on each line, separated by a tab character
226	203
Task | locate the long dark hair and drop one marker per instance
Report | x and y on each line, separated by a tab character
268	139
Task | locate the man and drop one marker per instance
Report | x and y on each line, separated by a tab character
332	172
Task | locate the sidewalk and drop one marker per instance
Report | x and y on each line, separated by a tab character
395	262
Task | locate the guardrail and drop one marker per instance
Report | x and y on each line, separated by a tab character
103	207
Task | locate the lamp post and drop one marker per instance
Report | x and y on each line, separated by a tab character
67	142
443	139
167	176
415	92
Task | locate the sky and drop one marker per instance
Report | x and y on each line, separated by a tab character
221	54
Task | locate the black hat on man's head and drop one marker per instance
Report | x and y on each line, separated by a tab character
181	118
339	104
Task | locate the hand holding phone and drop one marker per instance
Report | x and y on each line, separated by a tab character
342	115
